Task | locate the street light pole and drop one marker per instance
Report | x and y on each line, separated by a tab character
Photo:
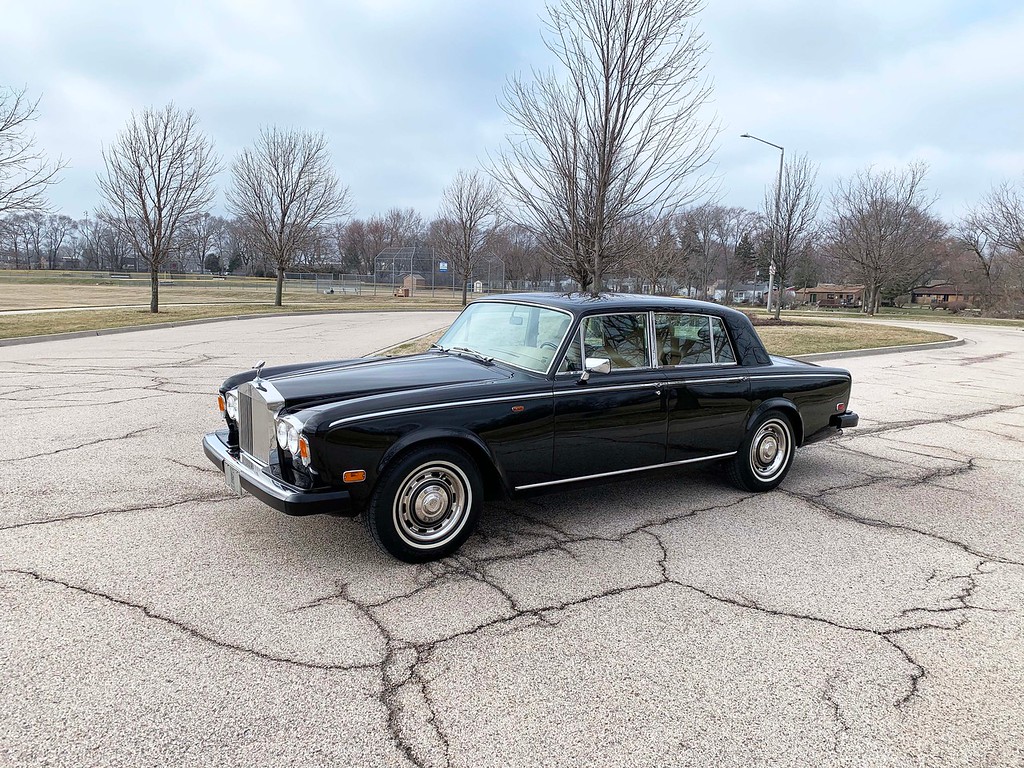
778	205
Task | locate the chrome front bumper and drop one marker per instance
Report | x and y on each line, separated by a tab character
270	490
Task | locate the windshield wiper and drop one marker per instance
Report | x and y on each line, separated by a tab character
471	353
438	347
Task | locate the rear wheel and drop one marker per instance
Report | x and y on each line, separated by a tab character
426	504
766	454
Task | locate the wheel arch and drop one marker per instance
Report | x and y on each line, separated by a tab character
491	474
788	407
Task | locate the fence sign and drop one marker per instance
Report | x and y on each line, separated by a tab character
442	266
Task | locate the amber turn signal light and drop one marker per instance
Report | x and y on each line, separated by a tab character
354	476
220	403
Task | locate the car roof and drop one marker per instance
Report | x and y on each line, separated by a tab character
588	303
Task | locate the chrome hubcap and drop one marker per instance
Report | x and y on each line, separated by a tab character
432	504
770	450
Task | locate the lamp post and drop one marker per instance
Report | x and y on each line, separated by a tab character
778	203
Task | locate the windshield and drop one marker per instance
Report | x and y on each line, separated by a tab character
519	334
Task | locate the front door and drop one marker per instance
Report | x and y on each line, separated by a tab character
611	421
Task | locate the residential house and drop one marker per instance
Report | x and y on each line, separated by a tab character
831	295
942	293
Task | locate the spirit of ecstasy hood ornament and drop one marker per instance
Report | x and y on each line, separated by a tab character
259	367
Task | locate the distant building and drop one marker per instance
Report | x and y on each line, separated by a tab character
942	293
743	293
831	295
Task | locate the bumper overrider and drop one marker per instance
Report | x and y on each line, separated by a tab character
272	491
845	420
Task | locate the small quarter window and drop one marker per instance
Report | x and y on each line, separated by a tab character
723	349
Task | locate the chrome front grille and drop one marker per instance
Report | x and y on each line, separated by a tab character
244	420
256	428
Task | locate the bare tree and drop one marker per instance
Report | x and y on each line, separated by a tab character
973	234
57	230
882	230
618	139
25	173
657	260
790	213
404	227
702	226
284	189
518	251
469	209
14	237
159	174
734	224
198	246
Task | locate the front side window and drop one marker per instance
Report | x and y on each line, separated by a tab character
520	334
622	339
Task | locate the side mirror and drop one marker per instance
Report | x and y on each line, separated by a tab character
595	365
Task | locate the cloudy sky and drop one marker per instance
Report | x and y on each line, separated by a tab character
407	90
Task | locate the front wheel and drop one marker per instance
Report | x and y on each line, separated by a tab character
426	504
766	454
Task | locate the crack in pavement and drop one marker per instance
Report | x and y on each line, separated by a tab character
125	436
202	499
948	419
186	628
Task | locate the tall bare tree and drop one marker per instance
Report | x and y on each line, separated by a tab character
159	174
882	230
733	225
616	137
25	174
285	190
791	215
469	211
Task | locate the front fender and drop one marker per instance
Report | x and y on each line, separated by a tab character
489	465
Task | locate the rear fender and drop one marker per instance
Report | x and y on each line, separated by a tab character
779	404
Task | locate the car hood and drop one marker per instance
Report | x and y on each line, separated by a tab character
375	376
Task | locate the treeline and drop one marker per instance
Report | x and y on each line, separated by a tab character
874	229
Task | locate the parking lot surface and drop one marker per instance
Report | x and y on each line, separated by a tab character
871	612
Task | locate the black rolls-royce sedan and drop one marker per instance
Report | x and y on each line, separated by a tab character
523	393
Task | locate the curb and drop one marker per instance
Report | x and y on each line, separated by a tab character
957	342
17	340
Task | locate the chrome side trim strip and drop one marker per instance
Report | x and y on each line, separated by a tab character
436	406
533	396
625	471
755	376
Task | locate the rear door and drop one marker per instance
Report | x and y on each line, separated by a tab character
708	393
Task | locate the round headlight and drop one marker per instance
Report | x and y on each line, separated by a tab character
293	440
231	405
282	435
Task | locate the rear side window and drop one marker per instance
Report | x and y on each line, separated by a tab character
691	340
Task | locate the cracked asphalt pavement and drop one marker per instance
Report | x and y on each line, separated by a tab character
867	613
